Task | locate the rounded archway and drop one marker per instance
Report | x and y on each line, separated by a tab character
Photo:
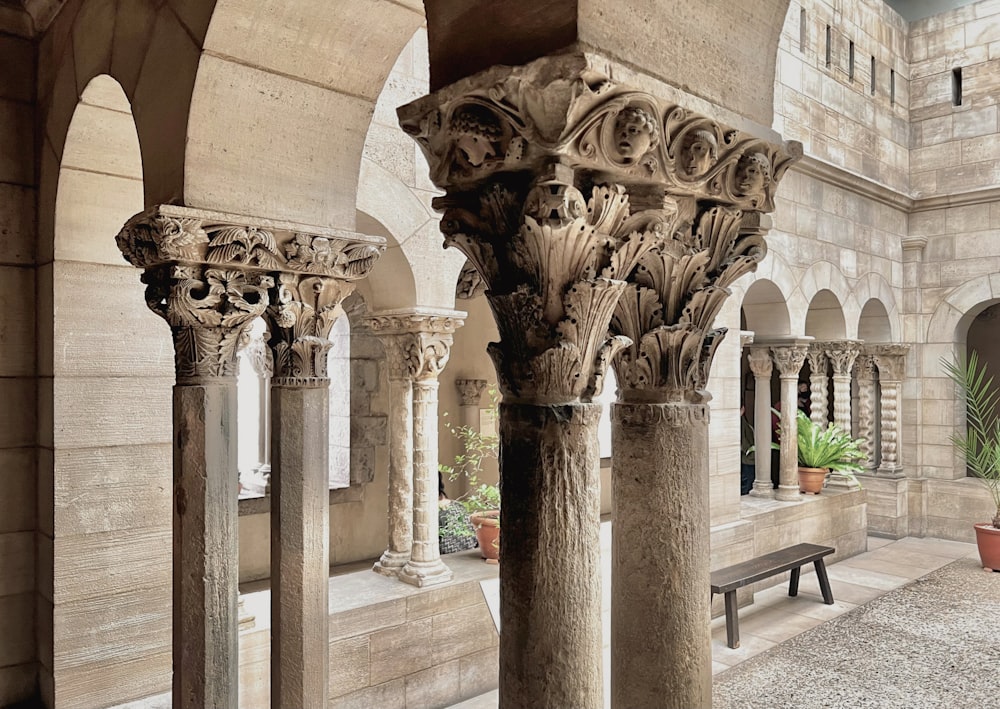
765	310
825	317
874	324
111	363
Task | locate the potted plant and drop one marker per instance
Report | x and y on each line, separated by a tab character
821	450
980	444
481	500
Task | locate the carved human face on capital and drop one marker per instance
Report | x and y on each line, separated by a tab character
752	173
635	133
700	152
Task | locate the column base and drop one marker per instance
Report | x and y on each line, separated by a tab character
763	489
788	493
425	573
893	472
842	482
391	563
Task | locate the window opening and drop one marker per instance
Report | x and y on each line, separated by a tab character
873	77
956	86
892	87
829	45
803	30
850	62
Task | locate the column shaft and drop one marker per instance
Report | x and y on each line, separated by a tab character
890	428
760	364
550	584
400	478
788	471
300	547
866	411
842	401
205	561
425	566
660	646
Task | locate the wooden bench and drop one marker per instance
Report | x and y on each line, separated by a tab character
729	579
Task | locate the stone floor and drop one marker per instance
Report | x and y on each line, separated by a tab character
775	618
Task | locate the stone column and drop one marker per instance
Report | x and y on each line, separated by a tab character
470	393
299	319
789	359
865	367
842	356
760	365
397	344
208	274
891	363
535	160
425	567
818	383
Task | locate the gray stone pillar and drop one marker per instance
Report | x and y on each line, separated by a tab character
425	567
842	356
470	393
891	363
299	320
660	553
515	150
818	384
865	367
789	359
208	274
760	365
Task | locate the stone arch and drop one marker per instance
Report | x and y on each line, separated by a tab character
111	364
283	98
874	324
825	317
874	287
959	307
766	310
824	275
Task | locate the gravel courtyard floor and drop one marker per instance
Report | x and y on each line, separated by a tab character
933	643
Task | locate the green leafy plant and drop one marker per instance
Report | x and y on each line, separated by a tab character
476	449
980	444
826	447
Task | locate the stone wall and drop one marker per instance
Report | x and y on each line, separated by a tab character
18	415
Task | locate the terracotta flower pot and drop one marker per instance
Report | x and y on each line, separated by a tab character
988	540
487	526
811	480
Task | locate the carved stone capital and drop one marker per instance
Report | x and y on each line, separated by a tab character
470	391
258	354
760	362
890	360
842	356
519	118
789	359
470	283
167	234
865	366
418	343
817	358
299	318
674	296
208	310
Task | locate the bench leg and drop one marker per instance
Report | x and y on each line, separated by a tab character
732	621
793	582
824	582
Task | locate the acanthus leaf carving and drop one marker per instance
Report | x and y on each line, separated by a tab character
208	310
245	245
789	359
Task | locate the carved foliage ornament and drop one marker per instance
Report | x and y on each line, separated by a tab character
673	298
553	261
789	359
891	361
207	310
164	235
529	115
842	356
417	344
299	319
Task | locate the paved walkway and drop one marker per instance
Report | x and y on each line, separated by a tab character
775	618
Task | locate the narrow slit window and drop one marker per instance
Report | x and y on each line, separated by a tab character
956	86
892	87
850	61
829	46
803	30
873	77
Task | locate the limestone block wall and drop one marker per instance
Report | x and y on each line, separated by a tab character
955	148
18	353
833	108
